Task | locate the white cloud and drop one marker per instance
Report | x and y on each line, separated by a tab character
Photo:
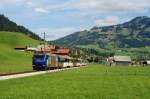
11	2
110	20
41	10
105	6
90	5
86	6
55	33
36	7
30	4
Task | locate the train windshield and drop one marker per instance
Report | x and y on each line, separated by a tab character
39	56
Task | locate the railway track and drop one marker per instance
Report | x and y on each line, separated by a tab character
30	73
7	74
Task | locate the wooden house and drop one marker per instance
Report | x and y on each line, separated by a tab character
20	48
122	60
31	49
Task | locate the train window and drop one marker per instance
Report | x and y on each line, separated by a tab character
47	56
58	59
66	60
39	56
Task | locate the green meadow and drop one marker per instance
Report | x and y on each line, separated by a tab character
10	59
91	82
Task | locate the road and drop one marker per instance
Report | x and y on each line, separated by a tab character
33	73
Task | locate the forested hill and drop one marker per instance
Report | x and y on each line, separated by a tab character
8	25
132	34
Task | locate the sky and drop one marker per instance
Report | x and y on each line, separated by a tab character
59	18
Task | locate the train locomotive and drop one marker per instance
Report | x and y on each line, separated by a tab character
46	61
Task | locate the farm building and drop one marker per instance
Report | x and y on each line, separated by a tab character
122	60
20	48
31	49
148	62
46	48
54	50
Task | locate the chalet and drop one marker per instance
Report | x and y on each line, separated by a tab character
148	62
53	50
31	49
44	48
20	48
122	60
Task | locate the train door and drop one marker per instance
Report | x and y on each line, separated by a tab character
59	62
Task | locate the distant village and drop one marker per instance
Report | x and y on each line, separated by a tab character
67	52
52	49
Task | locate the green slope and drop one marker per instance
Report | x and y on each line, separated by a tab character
10	59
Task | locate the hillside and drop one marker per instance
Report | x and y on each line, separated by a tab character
11	60
10	26
132	34
130	38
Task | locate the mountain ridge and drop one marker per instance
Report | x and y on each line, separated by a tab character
131	34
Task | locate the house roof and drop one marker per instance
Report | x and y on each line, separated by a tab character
122	58
20	46
62	51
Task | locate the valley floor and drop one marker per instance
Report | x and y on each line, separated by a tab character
92	82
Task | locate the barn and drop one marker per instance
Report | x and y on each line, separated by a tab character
122	60
148	62
31	49
20	48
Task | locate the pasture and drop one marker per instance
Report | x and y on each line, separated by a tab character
91	82
10	59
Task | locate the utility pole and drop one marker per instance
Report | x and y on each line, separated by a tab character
44	41
44	34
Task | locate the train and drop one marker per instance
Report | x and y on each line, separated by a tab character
46	61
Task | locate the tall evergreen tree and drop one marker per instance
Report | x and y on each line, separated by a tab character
7	25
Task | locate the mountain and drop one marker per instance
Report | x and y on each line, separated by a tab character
7	25
132	34
11	60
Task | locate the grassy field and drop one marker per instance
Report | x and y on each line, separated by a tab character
92	82
11	60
